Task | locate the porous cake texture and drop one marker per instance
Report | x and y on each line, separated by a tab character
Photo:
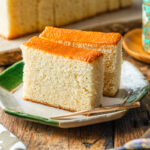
108	43
20	17
61	76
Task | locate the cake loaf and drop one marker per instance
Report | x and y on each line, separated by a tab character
61	76
45	14
113	5
126	3
108	43
20	17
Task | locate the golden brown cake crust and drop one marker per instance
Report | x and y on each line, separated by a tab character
110	94
11	37
61	50
71	110
97	38
59	107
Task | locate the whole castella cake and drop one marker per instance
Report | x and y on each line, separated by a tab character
62	76
108	43
20	17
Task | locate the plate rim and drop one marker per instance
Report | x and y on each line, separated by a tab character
17	78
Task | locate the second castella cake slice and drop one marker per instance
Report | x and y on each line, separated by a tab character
62	76
108	43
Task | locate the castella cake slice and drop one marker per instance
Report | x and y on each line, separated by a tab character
62	76
108	43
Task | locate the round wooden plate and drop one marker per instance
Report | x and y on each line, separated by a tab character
132	44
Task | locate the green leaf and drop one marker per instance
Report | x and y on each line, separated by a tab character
137	95
12	77
34	118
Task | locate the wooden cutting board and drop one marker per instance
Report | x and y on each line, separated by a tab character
117	21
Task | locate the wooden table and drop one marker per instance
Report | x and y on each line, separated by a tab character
94	137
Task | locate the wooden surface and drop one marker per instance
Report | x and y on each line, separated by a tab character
132	43
116	21
94	137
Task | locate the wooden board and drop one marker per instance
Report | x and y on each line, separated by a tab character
117	21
